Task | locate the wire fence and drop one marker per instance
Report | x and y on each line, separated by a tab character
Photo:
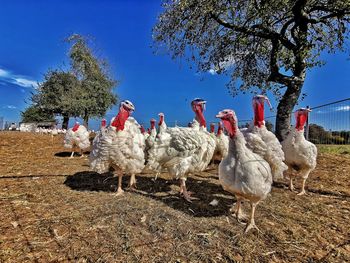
328	123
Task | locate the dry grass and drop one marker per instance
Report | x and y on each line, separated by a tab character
334	149
54	209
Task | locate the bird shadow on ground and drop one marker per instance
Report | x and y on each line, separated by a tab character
161	190
203	191
340	195
68	154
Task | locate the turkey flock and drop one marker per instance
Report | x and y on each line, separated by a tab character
250	158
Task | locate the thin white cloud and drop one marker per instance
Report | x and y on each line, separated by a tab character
8	77
3	73
226	64
26	83
343	108
212	71
10	107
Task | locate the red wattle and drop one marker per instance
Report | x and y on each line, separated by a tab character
142	129
161	119
230	126
258	114
75	127
120	119
149	131
212	128
200	118
300	121
103	123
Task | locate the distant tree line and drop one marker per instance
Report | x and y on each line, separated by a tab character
318	135
85	90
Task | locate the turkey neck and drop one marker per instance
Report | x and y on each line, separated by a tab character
119	121
212	128
301	118
219	130
258	107
161	120
237	142
231	127
153	125
75	127
200	117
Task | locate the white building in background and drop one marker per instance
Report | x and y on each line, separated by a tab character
32	126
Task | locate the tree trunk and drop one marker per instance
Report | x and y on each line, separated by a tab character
86	120
285	108
65	121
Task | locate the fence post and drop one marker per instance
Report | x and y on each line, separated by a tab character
307	127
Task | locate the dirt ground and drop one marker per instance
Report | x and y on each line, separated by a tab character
53	209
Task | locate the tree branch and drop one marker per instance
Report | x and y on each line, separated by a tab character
275	74
262	32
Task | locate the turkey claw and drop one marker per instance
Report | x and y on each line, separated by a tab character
187	196
251	226
119	192
133	187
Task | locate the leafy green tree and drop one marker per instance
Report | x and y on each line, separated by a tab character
262	44
36	114
269	126
59	94
96	85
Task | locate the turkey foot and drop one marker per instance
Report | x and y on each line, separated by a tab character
302	193
237	212
303	188
133	187
119	192
183	190
187	196
132	184
241	217
251	226
291	186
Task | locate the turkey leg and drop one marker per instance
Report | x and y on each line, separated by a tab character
183	190
120	191
132	183
303	187
251	224
291	186
238	211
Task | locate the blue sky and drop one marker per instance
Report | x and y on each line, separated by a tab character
32	34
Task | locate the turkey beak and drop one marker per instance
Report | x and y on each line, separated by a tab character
203	104
269	103
219	115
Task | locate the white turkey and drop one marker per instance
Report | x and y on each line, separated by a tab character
300	154
152	135
161	124
77	136
120	147
183	150
262	141
144	132
243	173
222	142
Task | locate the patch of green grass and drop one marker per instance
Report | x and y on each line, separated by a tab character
334	149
